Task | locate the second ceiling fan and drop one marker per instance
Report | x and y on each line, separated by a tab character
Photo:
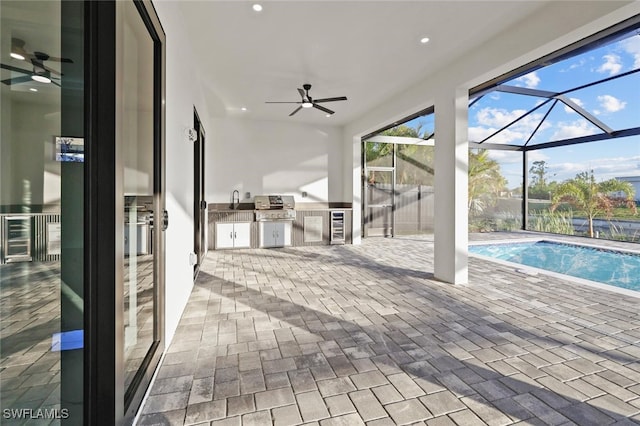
308	102
39	72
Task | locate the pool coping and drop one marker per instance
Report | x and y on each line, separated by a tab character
533	271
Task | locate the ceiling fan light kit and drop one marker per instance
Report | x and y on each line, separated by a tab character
17	49
41	78
308	102
40	72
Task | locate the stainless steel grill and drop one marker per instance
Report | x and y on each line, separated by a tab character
274	208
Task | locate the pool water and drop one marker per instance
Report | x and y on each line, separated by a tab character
616	268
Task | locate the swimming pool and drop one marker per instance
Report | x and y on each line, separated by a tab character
615	268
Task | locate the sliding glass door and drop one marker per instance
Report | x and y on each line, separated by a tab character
140	194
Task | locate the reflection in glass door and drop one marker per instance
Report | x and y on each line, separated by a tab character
42	206
379	199
140	191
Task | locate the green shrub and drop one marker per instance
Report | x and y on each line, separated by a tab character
557	222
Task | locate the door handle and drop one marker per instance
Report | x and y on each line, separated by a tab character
148	220
165	220
203	205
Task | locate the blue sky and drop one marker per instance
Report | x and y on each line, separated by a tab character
616	103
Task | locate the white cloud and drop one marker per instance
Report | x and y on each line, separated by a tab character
515	157
603	168
575	65
611	65
576	101
573	129
492	119
530	80
632	47
610	103
478	133
498	117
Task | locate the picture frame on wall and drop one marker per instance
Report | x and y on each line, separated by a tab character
69	149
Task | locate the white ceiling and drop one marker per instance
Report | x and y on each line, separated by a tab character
38	24
365	50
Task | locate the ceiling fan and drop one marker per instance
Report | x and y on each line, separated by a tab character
40	72
308	102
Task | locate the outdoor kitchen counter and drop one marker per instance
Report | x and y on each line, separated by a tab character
244	214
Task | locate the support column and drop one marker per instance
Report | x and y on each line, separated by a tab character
525	190
356	187
451	186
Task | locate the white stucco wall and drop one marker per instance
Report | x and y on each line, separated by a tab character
269	157
183	92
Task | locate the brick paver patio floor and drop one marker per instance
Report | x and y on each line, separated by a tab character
342	335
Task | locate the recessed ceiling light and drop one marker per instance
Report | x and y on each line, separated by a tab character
424	40
17	56
243	108
33	89
257	7
328	115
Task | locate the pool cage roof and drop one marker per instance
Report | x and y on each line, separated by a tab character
554	101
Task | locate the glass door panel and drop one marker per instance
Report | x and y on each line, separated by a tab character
42	207
379	200
142	215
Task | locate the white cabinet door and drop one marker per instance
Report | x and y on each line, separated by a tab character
224	235
242	235
282	234
275	234
267	234
278	234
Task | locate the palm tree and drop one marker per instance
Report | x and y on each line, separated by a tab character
594	198
485	181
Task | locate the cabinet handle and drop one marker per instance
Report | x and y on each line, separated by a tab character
231	235
235	235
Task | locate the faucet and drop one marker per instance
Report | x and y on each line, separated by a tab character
236	199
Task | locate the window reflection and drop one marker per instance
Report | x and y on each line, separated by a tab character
41	210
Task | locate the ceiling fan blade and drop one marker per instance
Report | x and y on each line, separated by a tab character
16	69
67	60
339	98
296	110
52	71
302	94
268	102
17	80
321	108
44	57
